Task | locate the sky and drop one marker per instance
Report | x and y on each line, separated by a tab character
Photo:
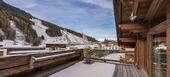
92	17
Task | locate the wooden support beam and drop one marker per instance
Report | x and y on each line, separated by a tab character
131	26
127	40
160	27
153	9
125	46
168	9
135	9
168	51
139	52
142	46
149	54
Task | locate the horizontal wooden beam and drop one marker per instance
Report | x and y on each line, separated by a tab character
160	27
131	26
139	31
127	40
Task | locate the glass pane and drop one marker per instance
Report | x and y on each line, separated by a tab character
159	56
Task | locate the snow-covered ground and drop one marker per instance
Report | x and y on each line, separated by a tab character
73	39
56	40
96	69
66	38
39	28
84	70
19	37
114	56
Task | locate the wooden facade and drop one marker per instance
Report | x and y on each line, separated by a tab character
151	19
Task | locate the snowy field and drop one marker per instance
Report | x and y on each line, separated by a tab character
84	70
93	70
115	56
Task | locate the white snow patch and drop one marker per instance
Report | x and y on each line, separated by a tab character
129	49
13	44
84	70
56	40
66	38
13	26
161	46
19	37
7	43
114	56
73	39
39	28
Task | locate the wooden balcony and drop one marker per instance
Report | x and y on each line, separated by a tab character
19	65
128	71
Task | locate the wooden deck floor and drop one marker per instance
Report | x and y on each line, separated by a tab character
128	71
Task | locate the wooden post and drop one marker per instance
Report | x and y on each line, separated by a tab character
149	54
32	59
136	54
137	51
168	9
168	51
142	54
168	39
139	54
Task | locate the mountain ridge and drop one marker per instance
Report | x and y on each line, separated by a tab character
22	21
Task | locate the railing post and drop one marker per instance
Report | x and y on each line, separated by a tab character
32	60
168	39
168	51
80	51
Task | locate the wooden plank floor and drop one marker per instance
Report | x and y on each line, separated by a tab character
128	71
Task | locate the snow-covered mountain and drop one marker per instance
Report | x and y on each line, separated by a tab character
18	27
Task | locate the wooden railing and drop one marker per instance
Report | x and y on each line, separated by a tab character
115	51
13	65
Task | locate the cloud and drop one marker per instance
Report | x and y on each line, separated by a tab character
92	17
30	5
102	3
